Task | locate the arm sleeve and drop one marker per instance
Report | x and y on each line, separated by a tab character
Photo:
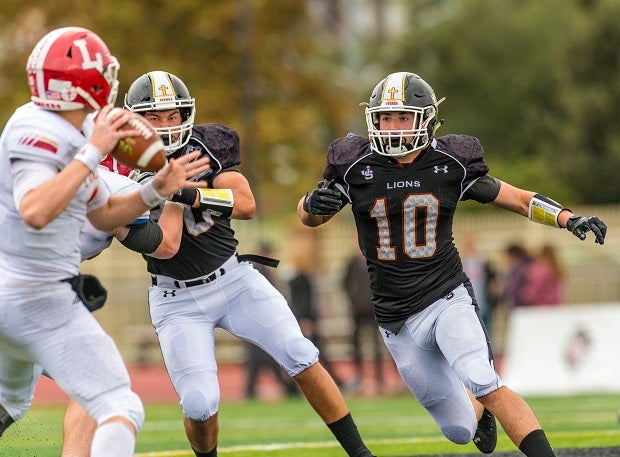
144	238
484	190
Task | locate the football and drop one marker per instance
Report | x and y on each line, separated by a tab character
145	151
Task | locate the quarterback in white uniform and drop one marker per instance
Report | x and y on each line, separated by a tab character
79	427
49	185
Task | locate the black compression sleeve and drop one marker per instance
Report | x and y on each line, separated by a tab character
144	238
484	190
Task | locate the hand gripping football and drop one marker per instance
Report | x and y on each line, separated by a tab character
144	151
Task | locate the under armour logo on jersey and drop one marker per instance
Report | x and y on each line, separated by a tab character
387	333
443	169
368	173
172	293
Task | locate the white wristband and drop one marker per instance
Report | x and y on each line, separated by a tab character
149	195
90	156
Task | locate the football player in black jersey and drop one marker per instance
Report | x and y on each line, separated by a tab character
206	285
403	185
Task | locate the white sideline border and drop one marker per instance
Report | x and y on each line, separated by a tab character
279	446
324	444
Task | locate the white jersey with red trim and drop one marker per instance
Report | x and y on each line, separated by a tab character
92	240
43	323
35	146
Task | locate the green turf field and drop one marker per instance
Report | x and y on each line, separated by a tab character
392	426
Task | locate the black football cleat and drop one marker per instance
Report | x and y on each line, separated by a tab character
485	437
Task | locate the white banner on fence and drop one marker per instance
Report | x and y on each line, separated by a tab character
563	349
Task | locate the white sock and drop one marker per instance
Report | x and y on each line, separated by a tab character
113	438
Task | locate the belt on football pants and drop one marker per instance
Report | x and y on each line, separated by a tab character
165	281
168	282
255	258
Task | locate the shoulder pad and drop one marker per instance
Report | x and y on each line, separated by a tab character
220	142
461	146
344	152
467	150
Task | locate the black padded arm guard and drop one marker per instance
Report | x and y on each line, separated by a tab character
144	238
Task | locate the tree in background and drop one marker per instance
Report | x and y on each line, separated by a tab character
535	81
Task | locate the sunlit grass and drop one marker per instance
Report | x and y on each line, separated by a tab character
392	426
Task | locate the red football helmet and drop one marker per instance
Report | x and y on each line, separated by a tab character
115	166
72	68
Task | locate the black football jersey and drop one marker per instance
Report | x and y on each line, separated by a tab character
404	214
207	241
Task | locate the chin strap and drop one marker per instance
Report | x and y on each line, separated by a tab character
437	125
399	148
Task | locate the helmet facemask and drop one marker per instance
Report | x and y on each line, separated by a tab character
162	91
397	143
111	76
402	93
175	137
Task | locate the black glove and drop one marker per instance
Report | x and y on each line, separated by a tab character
325	200
89	290
580	225
187	196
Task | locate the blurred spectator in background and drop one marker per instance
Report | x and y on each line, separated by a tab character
483	279
257	360
355	284
515	278
303	302
544	284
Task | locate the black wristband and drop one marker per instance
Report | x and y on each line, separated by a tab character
186	196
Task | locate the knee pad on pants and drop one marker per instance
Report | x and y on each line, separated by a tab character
127	405
198	407
458	424
300	353
200	396
457	434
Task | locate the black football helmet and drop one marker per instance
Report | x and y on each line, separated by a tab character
402	92
163	91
